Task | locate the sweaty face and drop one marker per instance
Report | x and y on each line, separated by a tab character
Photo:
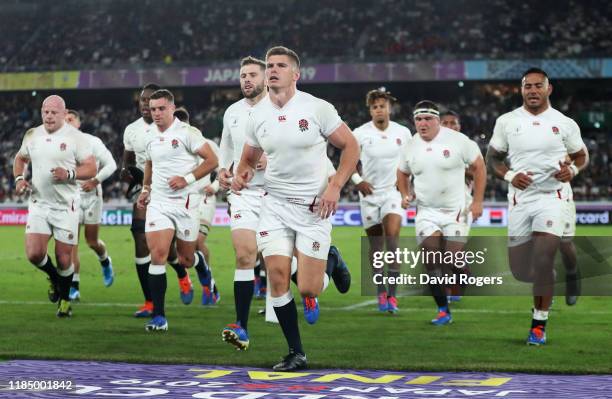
162	112
451	122
143	105
427	126
53	115
281	71
251	80
71	119
535	90
380	110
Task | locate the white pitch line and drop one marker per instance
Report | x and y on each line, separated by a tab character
345	308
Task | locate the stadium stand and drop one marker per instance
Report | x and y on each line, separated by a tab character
81	34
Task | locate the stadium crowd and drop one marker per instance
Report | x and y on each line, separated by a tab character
478	112
88	34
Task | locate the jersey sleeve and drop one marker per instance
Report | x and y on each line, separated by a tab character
24	151
404	164
471	151
83	147
250	137
499	141
127	139
327	118
572	138
226	153
107	162
195	139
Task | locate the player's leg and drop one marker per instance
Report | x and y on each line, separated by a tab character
142	260
569	256
311	281
392	224
75	293
184	282
92	236
377	242
159	242
65	269
210	292
432	244
36	251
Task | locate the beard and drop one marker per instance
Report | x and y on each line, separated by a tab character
256	91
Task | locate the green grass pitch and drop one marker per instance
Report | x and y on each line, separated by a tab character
488	333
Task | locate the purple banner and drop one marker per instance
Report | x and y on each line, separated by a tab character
228	75
99	379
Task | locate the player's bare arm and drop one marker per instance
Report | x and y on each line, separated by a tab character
143	198
210	163
569	170
343	139
129	159
19	166
364	187
497	166
404	187
85	169
478	170
246	167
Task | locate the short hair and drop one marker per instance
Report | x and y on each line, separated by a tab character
379	93
282	50
162	93
250	60
450	112
151	86
422	107
182	114
74	112
534	70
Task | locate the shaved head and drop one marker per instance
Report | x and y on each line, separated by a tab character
53	113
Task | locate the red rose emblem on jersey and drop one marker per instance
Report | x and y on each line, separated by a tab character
63	147
555	130
174	143
446	153
398	141
303	125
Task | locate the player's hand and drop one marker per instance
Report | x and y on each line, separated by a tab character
209	191
143	200
177	182
125	175
225	179
407	199
22	186
565	174
90	184
476	210
522	181
365	188
262	163
241	181
329	201
59	174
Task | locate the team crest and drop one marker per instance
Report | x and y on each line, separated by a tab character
555	130
175	143
63	147
316	246
398	141
549	223
446	153
303	125
237	216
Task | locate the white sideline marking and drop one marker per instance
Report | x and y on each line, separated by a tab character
345	308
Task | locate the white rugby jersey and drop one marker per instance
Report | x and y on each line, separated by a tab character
104	162
233	138
135	138
293	138
63	148
380	153
535	145
206	180
438	167
173	153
